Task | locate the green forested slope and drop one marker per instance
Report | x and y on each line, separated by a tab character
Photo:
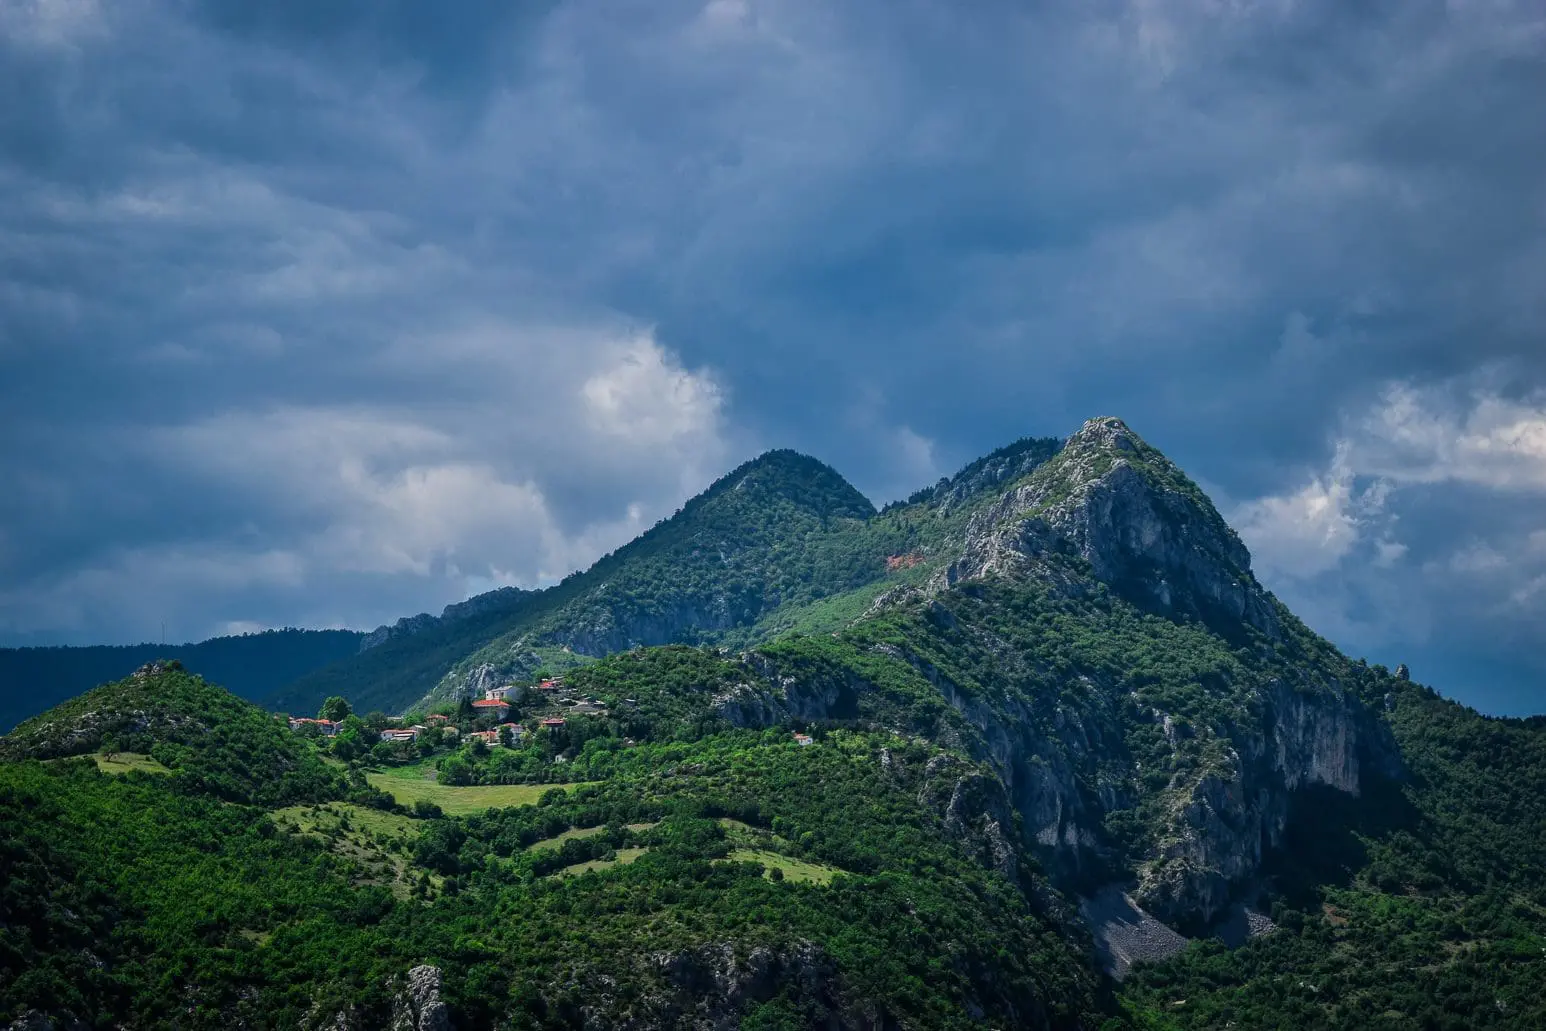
211	740
154	895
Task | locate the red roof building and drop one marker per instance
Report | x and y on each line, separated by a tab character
555	721
492	705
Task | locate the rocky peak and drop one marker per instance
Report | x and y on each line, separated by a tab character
1145	529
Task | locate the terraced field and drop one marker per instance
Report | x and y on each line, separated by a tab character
797	870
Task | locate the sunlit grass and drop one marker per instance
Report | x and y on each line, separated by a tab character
377	842
624	856
127	762
797	870
459	801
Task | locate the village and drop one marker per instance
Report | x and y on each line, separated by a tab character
490	711
557	705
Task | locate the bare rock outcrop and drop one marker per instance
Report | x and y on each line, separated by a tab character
972	809
417	1006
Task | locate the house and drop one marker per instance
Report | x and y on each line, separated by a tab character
327	727
419	728
399	735
549	686
488	737
554	721
501	694
438	717
491	707
516	730
803	740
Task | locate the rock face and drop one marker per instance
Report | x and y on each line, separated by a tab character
503	599
714	986
32	1020
417	1006
1124	933
990	472
1142	529
973	809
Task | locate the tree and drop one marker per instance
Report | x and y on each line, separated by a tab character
335	709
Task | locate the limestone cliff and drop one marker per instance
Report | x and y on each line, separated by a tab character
1108	512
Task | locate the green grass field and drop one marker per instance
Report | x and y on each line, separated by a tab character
558	842
794	869
457	801
624	856
126	762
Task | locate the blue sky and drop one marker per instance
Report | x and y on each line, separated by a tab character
324	313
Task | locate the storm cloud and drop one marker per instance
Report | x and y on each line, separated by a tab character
324	313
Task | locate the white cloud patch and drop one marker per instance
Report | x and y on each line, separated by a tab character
1311	530
1415	436
1426	525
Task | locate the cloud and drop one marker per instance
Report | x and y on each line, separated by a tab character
1310	530
1488	440
423	500
1425	527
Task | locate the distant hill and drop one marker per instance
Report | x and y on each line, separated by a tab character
251	665
209	739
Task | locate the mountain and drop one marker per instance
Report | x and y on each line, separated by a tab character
780	529
252	665
1034	748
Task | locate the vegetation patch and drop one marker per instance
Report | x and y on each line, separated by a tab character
379	845
623	857
788	869
571	834
128	762
459	801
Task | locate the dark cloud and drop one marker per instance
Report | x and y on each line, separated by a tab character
325	312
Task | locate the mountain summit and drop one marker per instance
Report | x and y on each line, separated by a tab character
1141	524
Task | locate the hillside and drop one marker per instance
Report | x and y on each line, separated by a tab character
397	664
252	665
209	740
1026	750
782	528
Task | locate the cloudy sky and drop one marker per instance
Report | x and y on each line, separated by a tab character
329	311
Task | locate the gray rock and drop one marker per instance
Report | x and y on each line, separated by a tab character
417	1006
